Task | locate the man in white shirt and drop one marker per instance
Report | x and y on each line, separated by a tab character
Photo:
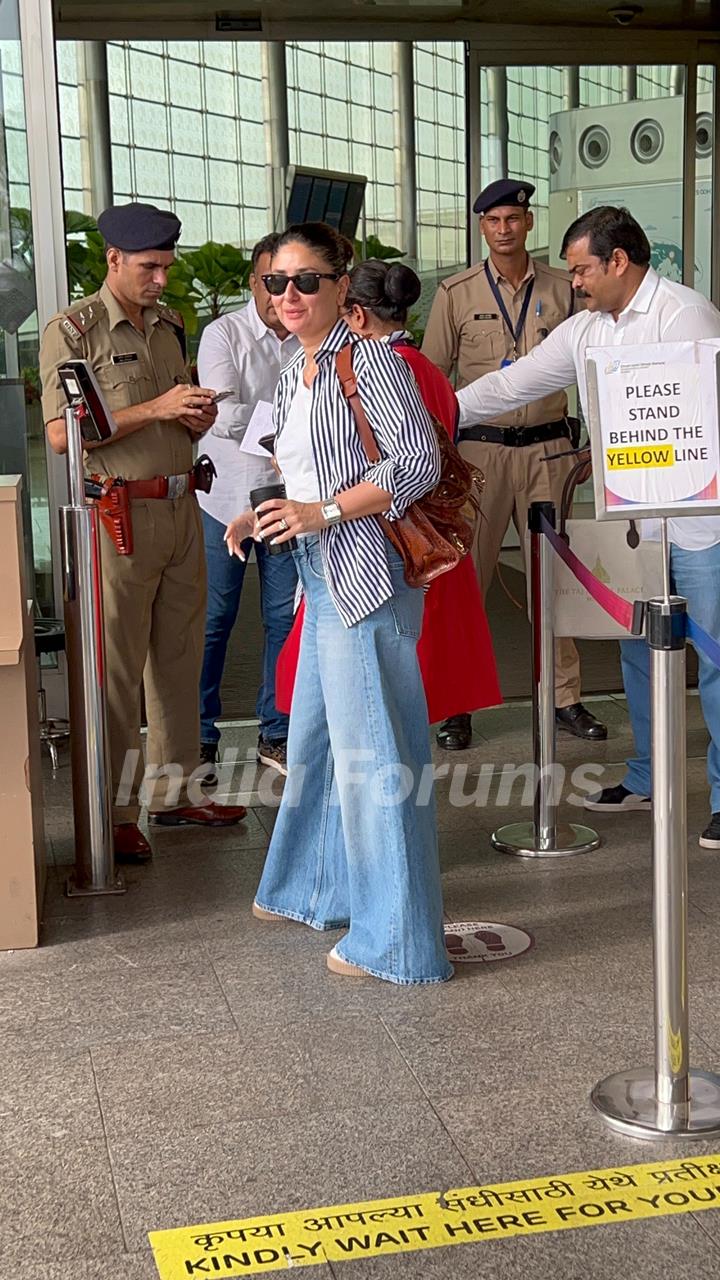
627	303
243	353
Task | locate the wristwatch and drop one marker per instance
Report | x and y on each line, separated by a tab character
331	512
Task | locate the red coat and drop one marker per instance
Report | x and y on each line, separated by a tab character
455	649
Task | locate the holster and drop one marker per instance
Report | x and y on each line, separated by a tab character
114	510
575	430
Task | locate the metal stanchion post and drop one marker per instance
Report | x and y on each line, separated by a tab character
671	1099
543	837
85	646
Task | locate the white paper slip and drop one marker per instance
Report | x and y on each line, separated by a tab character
259	425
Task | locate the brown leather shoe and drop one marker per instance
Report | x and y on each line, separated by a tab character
201	815
130	843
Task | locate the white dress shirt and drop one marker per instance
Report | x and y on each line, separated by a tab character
238	353
294	451
660	311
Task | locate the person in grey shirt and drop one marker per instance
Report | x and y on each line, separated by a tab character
243	352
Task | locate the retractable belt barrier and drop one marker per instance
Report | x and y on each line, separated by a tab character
669	1099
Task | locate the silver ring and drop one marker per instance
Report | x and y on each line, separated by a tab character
284	524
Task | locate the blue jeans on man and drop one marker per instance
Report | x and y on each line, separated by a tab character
278	582
696	576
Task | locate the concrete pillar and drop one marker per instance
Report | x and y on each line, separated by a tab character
571	88
405	150
95	123
277	143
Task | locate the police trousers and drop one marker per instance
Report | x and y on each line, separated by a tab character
154	606
515	477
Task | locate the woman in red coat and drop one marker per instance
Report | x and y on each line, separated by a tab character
455	649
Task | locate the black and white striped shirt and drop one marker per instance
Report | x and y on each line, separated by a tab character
355	551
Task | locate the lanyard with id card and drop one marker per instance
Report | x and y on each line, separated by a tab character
515	331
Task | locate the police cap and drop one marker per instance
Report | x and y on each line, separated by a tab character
134	227
504	191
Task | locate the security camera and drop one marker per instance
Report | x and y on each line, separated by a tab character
625	13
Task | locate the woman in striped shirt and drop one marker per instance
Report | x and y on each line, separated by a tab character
355	842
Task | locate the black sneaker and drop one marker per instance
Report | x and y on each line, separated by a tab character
710	838
617	800
273	754
208	756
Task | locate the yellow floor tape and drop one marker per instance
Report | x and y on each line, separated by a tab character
433	1220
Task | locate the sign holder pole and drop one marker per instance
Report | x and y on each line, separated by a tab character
671	1099
94	872
543	837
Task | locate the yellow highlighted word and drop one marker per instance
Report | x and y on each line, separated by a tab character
639	456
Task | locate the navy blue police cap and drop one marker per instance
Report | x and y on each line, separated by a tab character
135	227
504	191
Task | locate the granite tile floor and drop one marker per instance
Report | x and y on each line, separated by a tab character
165	1059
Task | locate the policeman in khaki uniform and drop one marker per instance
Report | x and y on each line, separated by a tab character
480	320
154	598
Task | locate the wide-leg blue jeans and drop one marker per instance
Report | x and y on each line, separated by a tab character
355	841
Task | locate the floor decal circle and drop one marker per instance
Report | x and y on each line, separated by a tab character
476	942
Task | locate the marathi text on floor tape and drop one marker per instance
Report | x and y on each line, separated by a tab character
436	1220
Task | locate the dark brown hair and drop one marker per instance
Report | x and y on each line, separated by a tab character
322	239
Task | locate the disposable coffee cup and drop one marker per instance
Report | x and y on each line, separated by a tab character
263	494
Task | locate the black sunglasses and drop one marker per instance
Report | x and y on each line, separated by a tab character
305	281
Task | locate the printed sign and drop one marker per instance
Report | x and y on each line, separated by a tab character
654	429
431	1220
473	942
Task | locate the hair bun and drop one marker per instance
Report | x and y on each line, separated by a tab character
401	286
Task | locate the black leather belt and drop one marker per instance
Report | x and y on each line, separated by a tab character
517	437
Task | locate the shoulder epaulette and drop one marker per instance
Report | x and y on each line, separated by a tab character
172	316
83	315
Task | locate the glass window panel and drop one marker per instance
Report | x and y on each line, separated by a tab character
382	57
362	121
256	224
223	182
149	125
119	127
222	137
309	112
336	79
14	104
195	230
16	156
152	176
251	104
337	119
122	183
384	129
361	86
188	177
225	223
66	52
218	53
254	185
383	93
117	79
249	59
184	50
338	155
72	162
187	131
220	92
252	142
147	76
184	81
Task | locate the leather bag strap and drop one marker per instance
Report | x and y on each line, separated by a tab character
348	382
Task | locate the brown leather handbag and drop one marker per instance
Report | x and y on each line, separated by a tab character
437	530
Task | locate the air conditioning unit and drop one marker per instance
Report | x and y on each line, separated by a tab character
630	153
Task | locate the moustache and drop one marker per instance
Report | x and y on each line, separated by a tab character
581	293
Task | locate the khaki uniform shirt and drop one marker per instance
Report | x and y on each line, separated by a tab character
466	331
131	368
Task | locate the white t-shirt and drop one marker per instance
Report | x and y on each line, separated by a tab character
294	451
